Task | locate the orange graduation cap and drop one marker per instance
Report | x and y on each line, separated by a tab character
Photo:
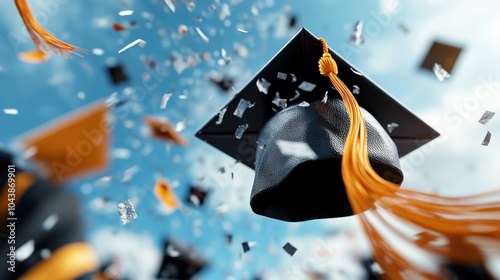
43	39
164	130
163	191
72	145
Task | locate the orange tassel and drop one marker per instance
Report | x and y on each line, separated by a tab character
43	39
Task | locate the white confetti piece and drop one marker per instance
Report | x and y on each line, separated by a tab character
278	101
127	211
121	153
306	86
126	13
97	51
129	173
10	111
171	5
356	36
203	36
282	76
304	104
391	126
325	97
240	130
356	72
180	126
243	105
25	251
171	251
296	149
440	73
141	43
355	89
487	139
487	116
164	100
242	30
103	180
50	222
221	116
263	85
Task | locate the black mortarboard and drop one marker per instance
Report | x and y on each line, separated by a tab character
196	196
443	54
294	137
117	73
45	216
179	262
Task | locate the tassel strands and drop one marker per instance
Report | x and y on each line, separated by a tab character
456	231
43	39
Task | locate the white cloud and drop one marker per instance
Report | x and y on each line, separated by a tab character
138	255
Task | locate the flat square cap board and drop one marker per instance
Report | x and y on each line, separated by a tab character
292	76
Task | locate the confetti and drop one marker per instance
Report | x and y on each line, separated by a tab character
127	211
487	116
296	149
25	251
221	116
356	36
487	139
97	51
121	153
356	72
164	100
103	180
325	97
306	86
203	36
290	249
240	130
243	105
355	89
392	126
282	76
180	126
440	73
118	27
196	196
126	13
10	111
242	30
263	85
171	5
50	222
164	193
304	104
171	251
141	43
279	101
129	172
182	29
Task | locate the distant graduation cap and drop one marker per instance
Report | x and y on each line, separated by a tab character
72	145
163	130
443	54
295	133
196	196
180	261
47	228
117	73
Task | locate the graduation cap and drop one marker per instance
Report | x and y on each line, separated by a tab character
296	125
442	54
74	144
47	227
196	196
179	261
117	73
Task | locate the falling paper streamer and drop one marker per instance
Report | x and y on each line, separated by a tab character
126	13
10	111
325	97
355	89
263	85
296	149
141	43
25	251
290	249
487	116
164	100
306	86
221	116
487	139
127	211
240	130
440	73
203	36
356	36
392	126
297	95
243	105
171	5
356	72
242	30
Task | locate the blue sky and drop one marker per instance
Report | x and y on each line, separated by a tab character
455	164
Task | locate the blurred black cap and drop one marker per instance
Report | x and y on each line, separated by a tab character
293	136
